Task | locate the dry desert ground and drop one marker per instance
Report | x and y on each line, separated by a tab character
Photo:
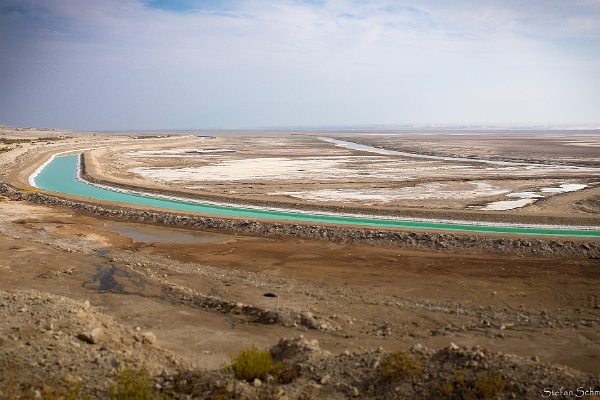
186	300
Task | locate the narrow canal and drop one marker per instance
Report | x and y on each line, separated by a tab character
61	175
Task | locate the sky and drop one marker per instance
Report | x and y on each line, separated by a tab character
202	64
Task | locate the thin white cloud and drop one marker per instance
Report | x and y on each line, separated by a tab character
299	62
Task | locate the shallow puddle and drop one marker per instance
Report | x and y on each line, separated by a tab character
161	234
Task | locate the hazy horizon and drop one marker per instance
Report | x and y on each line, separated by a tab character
133	65
350	128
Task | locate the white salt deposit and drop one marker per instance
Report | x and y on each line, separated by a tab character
525	195
436	190
280	168
531	197
354	170
508	204
319	168
174	153
249	169
581	143
564	188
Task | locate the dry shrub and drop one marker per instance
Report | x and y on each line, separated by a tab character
480	386
399	365
133	384
253	363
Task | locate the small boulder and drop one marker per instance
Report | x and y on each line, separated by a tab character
148	338
92	336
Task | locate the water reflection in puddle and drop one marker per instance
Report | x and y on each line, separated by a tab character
161	234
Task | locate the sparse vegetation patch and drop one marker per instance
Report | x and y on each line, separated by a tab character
483	385
400	365
253	364
133	384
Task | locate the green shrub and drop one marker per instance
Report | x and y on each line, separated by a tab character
253	364
399	365
133	384
488	386
481	386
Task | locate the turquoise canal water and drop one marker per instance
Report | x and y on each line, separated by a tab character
61	175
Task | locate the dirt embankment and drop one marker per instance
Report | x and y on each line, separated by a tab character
49	341
401	239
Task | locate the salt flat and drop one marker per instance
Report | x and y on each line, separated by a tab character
308	169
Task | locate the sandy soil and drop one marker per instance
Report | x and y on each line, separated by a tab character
356	289
365	296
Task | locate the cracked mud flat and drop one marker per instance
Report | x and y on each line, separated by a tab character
359	297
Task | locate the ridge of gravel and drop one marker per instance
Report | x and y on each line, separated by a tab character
49	340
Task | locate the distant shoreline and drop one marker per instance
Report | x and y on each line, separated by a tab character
363	129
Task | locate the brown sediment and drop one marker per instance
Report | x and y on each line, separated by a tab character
554	247
358	289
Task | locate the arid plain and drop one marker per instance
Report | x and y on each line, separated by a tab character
542	307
